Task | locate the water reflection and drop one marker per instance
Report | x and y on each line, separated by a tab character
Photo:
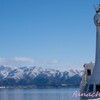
90	99
38	94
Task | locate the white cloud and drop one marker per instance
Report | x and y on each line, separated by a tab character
17	61
52	62
2	61
24	59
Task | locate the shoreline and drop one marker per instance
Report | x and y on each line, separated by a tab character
37	87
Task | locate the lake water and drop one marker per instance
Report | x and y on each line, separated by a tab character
38	94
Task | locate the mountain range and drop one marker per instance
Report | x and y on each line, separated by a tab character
38	76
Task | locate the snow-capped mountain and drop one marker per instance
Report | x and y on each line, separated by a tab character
13	76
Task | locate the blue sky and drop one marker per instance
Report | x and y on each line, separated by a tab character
50	33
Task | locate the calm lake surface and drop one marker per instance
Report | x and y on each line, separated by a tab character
38	94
